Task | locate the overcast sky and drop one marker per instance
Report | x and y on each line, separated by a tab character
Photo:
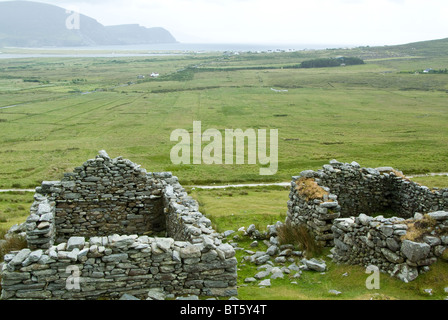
348	22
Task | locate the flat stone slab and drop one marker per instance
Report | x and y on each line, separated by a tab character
265	283
20	257
385	169
439	215
75	243
128	297
156	294
315	265
262	274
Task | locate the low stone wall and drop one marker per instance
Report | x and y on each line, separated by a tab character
110	266
358	189
75	249
381	242
410	197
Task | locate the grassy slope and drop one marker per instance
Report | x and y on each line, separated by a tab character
353	113
14	208
371	114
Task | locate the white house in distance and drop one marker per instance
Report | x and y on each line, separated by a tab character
154	75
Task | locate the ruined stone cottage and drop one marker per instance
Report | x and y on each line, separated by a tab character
109	228
343	205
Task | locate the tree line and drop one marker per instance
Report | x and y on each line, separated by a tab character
331	62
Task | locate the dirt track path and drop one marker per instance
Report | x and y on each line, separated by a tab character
281	184
287	184
17	190
428	175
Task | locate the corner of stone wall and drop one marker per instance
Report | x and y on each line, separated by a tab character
40	224
316	214
185	222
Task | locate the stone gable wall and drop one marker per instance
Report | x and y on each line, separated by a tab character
106	196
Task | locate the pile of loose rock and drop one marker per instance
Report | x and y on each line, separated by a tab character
278	260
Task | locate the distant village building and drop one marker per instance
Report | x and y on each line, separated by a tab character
141	77
154	75
275	90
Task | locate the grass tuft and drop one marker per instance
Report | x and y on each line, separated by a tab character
400	175
419	228
309	188
301	237
13	243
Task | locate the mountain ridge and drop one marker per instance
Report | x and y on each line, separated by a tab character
34	24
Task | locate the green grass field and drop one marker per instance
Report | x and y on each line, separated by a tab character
371	113
14	209
61	111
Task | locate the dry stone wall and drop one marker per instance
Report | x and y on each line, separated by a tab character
91	235
382	242
110	266
40	225
106	196
342	215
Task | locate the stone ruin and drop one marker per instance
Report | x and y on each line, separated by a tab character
343	204
110	228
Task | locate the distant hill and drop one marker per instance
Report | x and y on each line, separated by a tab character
429	48
136	34
33	24
437	47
